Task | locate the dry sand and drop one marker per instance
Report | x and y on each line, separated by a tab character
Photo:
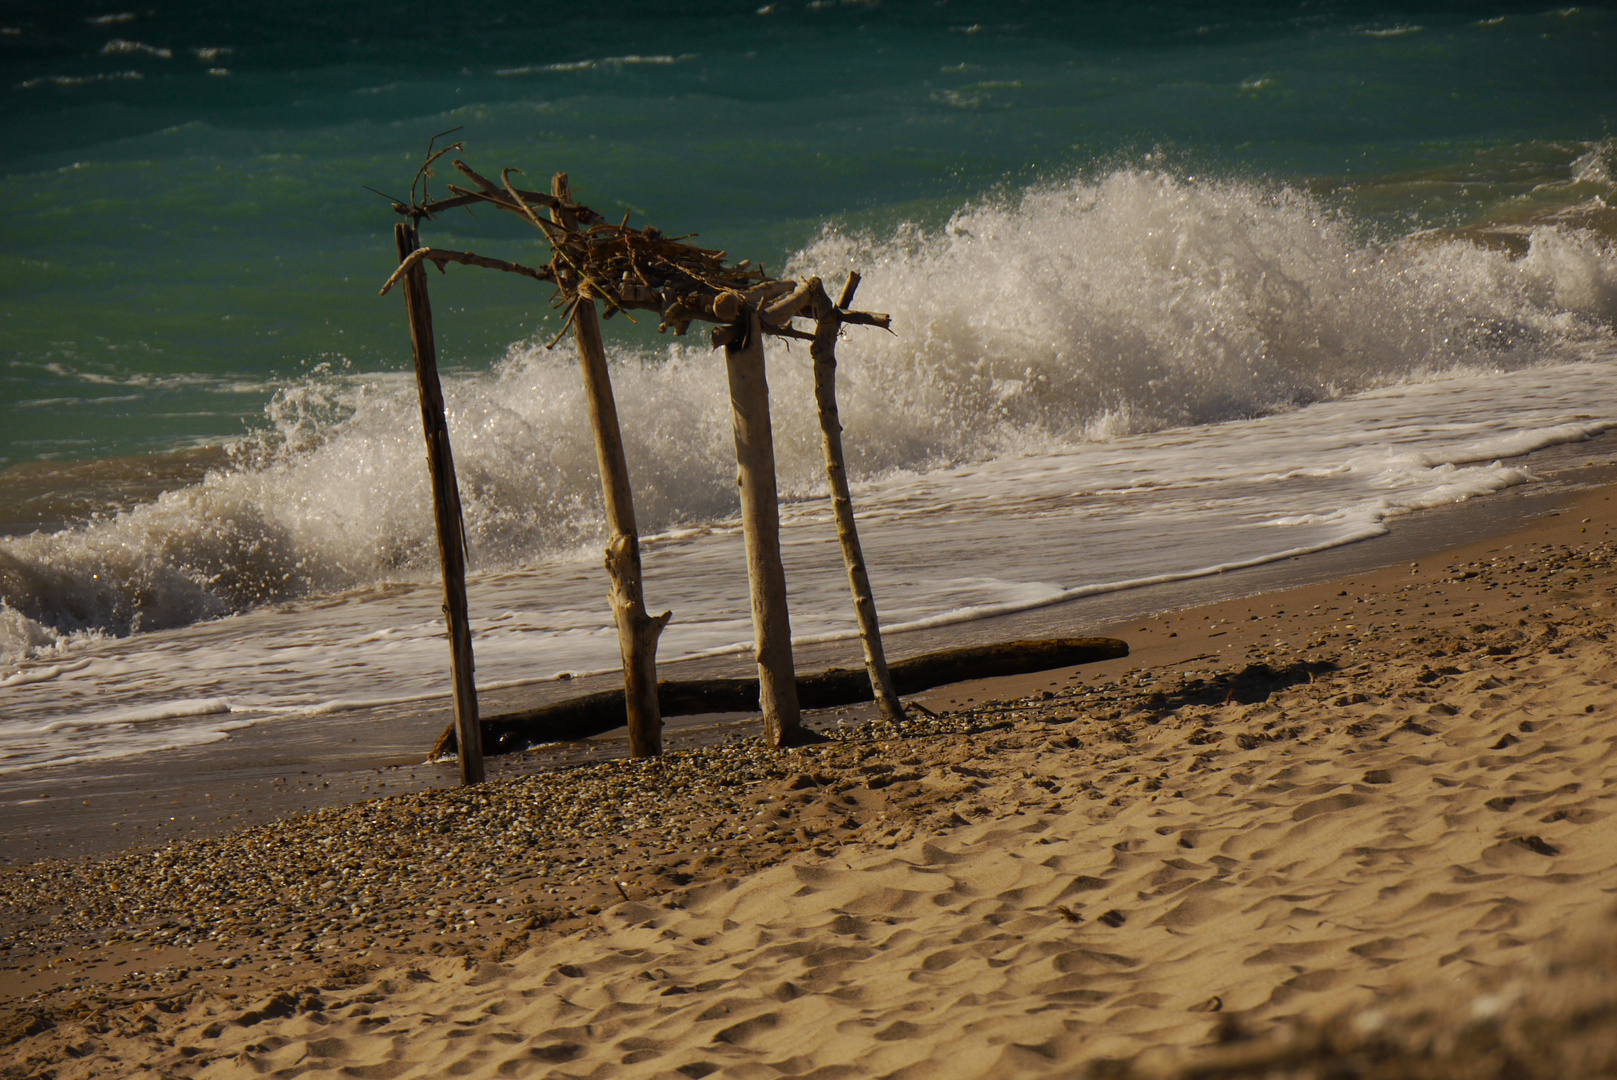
1356	829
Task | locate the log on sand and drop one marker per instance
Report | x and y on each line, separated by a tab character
594	714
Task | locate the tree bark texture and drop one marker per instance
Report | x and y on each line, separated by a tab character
446	511
823	351
637	632
760	524
595	714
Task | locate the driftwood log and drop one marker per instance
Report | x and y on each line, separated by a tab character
595	714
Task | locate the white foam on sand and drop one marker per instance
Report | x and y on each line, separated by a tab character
1156	379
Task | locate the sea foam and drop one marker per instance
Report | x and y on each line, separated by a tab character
1089	310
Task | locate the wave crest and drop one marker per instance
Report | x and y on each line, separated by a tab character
1087	310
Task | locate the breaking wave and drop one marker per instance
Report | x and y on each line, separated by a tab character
1137	301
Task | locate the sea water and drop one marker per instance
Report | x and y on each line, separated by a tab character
1175	289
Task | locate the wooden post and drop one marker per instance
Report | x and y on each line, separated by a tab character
637	631
446	511
760	524
823	351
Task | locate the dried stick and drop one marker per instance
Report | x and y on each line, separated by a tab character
637	631
446	510
866	318
760	526
442	257
527	211
848	288
425	171
827	324
781	312
566	324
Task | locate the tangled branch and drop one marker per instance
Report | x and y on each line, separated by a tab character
624	268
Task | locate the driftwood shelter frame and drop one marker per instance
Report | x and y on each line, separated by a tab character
593	261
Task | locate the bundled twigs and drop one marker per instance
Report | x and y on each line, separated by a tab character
624	268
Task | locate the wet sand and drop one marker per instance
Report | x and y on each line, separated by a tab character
264	773
1280	814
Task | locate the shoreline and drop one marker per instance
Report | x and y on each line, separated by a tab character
280	767
1447	724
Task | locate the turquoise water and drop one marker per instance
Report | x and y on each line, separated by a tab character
186	231
1176	288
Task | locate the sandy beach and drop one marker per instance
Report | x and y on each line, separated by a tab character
1360	825
1278	345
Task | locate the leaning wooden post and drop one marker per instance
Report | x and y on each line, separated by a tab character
823	350
446	511
760	524
637	631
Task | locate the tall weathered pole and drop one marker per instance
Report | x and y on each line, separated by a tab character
637	631
446	511
823	351
760	524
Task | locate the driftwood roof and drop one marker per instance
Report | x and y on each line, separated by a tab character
624	268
